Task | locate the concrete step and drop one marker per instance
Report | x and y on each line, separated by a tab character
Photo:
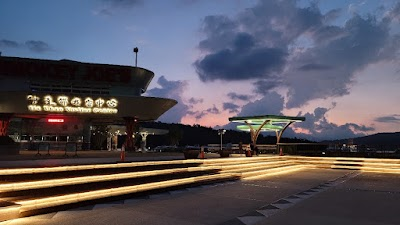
26	207
363	164
29	195
252	166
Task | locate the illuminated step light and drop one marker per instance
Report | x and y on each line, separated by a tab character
255	175
40	203
19	186
88	167
9	210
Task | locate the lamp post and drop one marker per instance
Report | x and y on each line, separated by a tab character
136	50
221	132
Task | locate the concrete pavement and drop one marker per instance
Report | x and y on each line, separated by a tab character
308	196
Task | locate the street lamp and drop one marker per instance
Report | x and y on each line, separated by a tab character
136	50
221	132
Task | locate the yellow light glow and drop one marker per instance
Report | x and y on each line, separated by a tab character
63	104
27	205
272	172
19	186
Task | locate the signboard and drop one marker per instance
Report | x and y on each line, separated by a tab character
53	120
67	104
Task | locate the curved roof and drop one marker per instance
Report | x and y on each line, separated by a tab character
143	108
261	119
74	73
257	124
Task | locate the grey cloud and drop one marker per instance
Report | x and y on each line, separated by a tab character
388	119
200	114
240	65
123	3
313	66
325	34
394	14
320	128
269	104
34	46
38	46
264	86
263	43
234	96
231	107
9	44
194	101
110	7
173	90
332	15
219	31
363	43
213	110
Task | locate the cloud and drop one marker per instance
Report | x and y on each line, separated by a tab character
264	86
271	104
9	44
389	119
279	44
194	101
123	3
38	46
317	127
363	43
200	114
231	107
110	7
34	46
394	14
312	66
234	96
173	90
213	110
240	62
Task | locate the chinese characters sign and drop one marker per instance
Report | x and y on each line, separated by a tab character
63	103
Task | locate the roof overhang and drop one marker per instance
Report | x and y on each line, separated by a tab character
271	122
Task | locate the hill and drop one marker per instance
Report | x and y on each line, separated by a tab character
385	139
180	134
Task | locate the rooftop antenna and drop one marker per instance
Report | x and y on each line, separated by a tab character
136	50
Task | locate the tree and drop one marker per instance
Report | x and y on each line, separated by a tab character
99	136
175	135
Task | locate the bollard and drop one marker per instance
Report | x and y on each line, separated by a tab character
122	155
201	156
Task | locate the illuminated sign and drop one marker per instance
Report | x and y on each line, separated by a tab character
55	120
67	104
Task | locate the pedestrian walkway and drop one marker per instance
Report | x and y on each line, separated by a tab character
58	158
315	195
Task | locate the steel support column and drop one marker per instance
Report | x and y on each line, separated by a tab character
131	127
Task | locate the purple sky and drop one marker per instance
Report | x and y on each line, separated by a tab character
334	62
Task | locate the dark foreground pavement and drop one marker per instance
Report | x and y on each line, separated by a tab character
309	196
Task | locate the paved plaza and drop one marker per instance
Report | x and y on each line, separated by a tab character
308	196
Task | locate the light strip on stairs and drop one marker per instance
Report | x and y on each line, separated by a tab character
254	175
27	205
89	179
88	167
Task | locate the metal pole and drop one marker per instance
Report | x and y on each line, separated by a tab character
136	50
221	140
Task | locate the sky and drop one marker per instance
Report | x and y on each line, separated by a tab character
337	63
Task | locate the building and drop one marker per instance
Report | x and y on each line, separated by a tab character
53	97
